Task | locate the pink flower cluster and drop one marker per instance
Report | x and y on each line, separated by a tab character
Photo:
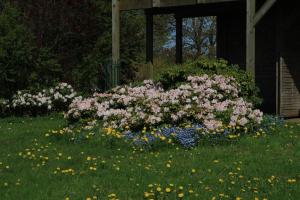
211	101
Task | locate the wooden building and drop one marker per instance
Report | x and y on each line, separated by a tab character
261	36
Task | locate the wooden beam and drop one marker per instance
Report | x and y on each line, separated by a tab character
135	4
145	4
200	10
263	10
250	37
115	43
149	37
168	3
213	1
178	39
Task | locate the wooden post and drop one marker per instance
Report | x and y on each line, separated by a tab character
278	86
115	42
149	37
250	46
178	39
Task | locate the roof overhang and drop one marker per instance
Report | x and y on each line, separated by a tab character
146	4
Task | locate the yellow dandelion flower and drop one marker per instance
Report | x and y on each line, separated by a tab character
146	194
291	181
168	190
180	195
112	195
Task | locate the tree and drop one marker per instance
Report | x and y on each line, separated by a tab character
200	36
69	28
22	64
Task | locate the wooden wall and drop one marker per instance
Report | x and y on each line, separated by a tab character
289	47
266	58
277	51
231	36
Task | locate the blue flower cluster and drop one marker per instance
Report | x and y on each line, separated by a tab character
272	122
186	137
191	136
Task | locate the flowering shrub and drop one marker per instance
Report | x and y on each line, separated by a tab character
173	76
57	98
213	103
62	96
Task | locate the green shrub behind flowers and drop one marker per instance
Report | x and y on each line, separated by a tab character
173	76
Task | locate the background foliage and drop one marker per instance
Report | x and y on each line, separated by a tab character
22	63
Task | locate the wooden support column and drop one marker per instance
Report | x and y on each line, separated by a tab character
178	39
149	37
115	31
114	71
263	10
250	43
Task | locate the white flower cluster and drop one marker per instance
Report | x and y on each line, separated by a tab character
61	95
211	101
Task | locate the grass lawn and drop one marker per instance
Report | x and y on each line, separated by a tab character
33	166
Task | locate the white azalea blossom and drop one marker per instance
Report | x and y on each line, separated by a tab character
62	94
212	101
